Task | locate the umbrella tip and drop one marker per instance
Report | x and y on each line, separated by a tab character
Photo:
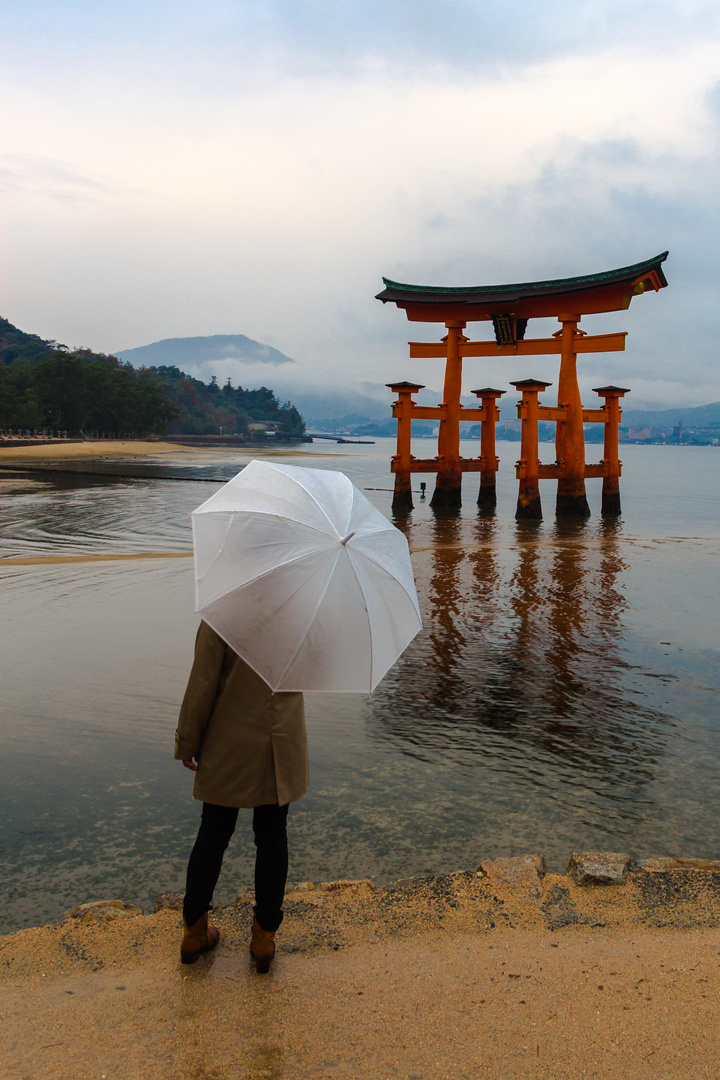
348	537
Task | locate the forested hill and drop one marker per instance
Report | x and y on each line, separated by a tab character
46	385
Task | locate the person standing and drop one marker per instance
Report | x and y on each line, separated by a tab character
248	748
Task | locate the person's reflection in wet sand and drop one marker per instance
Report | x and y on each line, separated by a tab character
215	988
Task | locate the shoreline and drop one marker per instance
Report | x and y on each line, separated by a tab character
615	882
507	973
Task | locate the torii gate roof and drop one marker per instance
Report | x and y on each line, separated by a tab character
590	293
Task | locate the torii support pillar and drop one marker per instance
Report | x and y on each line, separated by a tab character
448	484
570	435
611	449
487	496
401	462
528	467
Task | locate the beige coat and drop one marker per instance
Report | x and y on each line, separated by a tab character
250	743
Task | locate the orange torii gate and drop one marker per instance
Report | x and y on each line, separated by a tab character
509	308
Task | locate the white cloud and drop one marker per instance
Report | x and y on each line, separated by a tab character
193	198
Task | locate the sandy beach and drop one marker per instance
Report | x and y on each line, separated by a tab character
432	978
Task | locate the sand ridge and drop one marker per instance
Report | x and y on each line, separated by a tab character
90	449
101	448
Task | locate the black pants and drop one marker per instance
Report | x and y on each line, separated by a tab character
271	861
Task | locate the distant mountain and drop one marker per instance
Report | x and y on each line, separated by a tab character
191	351
701	416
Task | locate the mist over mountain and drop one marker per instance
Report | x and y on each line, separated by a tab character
245	362
191	352
332	402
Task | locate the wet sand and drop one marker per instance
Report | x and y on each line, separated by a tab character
437	978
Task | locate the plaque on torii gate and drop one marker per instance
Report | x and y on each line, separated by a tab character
509	308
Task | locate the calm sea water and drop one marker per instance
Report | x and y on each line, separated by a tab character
563	693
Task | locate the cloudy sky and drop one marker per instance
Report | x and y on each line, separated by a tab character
255	167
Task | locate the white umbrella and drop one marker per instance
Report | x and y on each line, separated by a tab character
299	573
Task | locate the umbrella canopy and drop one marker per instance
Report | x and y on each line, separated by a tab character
299	573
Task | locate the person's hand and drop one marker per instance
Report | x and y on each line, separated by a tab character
190	764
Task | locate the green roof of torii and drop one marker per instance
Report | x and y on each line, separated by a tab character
484	294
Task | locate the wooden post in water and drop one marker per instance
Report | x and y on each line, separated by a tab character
401	462
448	484
611	449
487	496
570	436
529	506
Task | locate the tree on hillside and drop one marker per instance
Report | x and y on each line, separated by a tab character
207	407
68	392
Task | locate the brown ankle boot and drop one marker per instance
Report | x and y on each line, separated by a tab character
262	947
198	938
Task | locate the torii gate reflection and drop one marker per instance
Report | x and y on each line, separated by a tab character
525	640
509	308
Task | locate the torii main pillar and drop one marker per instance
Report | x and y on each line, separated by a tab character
448	483
570	435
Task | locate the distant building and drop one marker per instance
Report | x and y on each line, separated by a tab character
640	433
267	427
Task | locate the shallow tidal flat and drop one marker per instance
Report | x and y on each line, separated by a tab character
562	695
